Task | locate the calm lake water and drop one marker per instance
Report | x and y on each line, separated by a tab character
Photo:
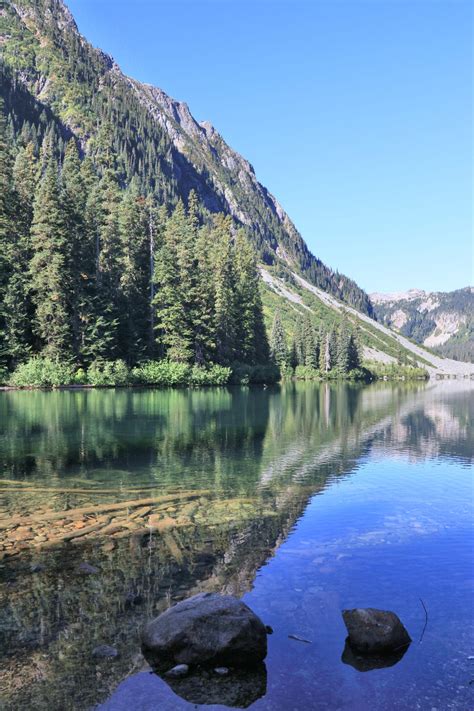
304	500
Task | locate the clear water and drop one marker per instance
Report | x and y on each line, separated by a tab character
304	500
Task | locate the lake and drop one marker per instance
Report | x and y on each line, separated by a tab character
303	499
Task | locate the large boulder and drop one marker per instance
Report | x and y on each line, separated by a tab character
207	630
374	631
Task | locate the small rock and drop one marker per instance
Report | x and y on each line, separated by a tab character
222	671
87	569
104	651
178	671
373	631
268	629
36	568
109	546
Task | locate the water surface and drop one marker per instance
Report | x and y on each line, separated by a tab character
303	499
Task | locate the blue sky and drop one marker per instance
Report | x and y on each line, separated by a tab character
356	114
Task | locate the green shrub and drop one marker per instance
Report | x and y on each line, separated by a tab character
162	372
4	376
395	371
109	373
42	373
211	375
80	377
305	372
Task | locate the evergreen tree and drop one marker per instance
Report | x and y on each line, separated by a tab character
50	268
173	259
251	335
134	278
311	350
224	288
278	348
7	233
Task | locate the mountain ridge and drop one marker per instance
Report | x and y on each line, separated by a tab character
439	320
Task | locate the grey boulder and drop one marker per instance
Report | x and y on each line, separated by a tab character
374	631
207	630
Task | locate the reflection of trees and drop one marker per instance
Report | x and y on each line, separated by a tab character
261	453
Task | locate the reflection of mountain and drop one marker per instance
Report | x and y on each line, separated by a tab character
258	456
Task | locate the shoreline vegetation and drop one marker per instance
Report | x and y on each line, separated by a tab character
46	373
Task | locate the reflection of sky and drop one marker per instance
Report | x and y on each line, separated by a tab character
388	535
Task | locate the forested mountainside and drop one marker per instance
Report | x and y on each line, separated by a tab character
51	76
443	321
130	233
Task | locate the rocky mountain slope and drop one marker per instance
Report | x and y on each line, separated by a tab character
380	343
50	70
443	321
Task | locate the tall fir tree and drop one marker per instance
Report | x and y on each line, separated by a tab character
134	278
225	312
50	265
278	346
251	334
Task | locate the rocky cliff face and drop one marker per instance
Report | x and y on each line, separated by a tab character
440	320
48	65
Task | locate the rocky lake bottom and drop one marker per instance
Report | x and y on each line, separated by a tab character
303	500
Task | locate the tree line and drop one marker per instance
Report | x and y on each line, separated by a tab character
329	351
93	270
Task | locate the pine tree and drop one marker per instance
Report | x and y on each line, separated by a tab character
175	332
224	288
299	343
50	268
278	348
311	351
251	334
7	233
109	263
134	278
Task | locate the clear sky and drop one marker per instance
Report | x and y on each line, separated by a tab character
356	114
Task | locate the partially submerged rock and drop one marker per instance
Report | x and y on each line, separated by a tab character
206	630
374	631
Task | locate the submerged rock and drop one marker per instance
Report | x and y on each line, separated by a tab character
207	630
104	651
222	671
178	671
87	569
374	631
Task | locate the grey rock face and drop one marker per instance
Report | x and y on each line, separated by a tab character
208	630
374	631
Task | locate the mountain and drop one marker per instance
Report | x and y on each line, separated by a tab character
442	321
49	71
132	138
